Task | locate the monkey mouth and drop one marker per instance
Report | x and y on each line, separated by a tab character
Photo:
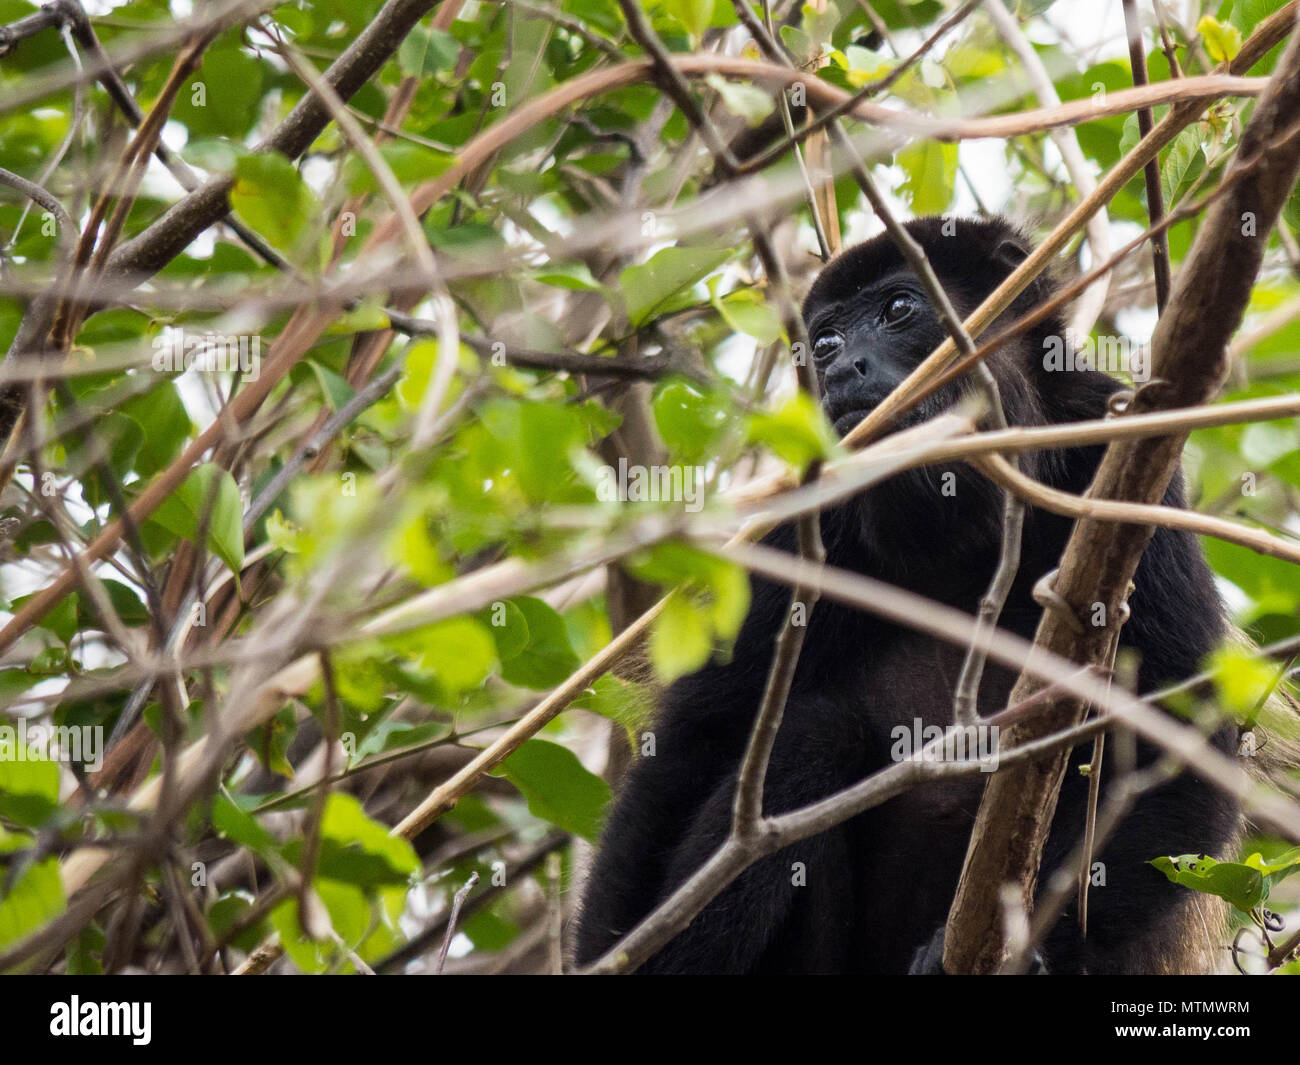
846	420
845	411
846	414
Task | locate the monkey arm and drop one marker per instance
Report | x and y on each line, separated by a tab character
790	911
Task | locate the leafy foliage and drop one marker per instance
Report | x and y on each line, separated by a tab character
377	583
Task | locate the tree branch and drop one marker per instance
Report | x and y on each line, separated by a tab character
1189	353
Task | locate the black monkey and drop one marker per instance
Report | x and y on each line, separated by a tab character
876	888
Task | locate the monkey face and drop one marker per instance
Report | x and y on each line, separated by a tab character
871	322
864	346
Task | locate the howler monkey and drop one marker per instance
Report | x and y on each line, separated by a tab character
875	889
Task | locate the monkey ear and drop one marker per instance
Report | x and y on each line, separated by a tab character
1010	253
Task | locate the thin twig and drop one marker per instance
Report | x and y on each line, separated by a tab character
67	229
1155	195
1093	299
458	900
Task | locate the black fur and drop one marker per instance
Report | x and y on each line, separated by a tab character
880	885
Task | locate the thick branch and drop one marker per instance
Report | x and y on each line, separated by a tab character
1190	362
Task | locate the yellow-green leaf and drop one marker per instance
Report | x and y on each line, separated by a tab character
1223	42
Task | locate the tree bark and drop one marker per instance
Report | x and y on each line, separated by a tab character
1189	351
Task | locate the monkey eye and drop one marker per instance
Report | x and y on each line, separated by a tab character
827	343
898	308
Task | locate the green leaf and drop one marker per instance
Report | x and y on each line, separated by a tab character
270	195
224	97
718	594
489	931
1240	884
29	784
427	51
690	421
13	682
680	640
231	908
410	163
85	953
972	60
270	742
240	826
308	955
165	424
1130	135
542	439
747	312
694	15
459	652
648	285
1244	884
1222	42
508	626
799	43
1184	163
282	533
50	662
797	431
1275	869
414	546
124	438
931	169
548	658
182	513
126	604
1269	582
358	850
62	620
214	154
362	677
469	240
861	66
575	276
1242	681
334	388
557	787
348	908
417	371
35	898
363	318
820	25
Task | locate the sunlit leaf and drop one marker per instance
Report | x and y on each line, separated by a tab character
558	788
